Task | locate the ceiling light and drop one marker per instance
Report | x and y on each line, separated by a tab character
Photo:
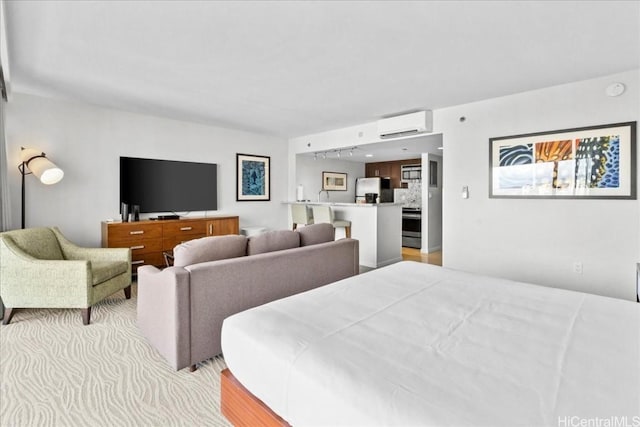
368	155
440	148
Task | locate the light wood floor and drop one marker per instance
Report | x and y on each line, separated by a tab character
411	254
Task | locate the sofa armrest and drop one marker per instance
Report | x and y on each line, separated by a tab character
71	251
164	312
57	283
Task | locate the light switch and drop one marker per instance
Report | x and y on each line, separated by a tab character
465	192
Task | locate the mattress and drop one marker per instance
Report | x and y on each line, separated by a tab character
415	344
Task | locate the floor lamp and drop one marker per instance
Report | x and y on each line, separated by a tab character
37	163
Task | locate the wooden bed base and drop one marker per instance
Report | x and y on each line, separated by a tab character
242	408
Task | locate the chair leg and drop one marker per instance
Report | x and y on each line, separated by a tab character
8	314
347	231
86	315
127	292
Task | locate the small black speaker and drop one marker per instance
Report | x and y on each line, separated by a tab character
135	212
124	212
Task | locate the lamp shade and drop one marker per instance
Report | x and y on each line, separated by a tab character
44	169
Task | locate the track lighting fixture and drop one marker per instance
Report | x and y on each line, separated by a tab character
338	153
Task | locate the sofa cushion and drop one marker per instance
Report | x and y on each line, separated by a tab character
271	241
316	233
101	271
40	242
209	249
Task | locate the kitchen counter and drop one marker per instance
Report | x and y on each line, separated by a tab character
378	227
364	205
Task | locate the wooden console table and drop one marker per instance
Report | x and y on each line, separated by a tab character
148	239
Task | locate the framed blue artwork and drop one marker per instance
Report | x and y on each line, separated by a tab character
253	178
595	162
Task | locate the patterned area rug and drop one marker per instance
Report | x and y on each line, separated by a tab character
55	371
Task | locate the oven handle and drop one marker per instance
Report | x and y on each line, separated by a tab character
411	216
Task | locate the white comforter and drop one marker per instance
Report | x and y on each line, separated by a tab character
414	344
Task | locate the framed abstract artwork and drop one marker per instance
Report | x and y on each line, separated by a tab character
253	177
596	162
334	181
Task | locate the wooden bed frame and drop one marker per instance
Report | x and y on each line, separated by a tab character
242	408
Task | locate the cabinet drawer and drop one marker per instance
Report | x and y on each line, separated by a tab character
183	228
168	243
154	258
135	231
138	246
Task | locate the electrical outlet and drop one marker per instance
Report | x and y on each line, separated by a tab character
577	267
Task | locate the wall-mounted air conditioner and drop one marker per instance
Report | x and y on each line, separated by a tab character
406	124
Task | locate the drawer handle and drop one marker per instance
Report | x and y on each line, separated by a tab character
185	228
133	248
137	262
210	228
137	232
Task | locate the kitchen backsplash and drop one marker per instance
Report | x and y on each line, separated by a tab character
410	197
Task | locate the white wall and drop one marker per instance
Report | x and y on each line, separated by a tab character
538	240
87	141
309	175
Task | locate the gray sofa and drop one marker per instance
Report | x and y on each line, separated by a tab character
181	308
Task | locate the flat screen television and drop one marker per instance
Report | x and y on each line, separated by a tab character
167	185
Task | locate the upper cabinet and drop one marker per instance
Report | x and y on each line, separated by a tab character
379	169
389	170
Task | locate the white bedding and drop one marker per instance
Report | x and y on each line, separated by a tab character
414	344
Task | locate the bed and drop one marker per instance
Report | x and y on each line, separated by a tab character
415	344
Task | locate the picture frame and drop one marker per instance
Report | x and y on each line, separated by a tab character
594	162
334	181
253	178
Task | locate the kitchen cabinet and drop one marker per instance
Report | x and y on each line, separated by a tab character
378	169
391	169
395	175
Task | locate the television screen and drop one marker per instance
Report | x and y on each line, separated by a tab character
168	186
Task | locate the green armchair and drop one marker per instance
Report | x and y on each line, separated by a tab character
40	268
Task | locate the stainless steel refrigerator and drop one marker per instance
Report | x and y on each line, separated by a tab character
381	187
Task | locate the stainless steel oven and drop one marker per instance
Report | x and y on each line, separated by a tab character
412	227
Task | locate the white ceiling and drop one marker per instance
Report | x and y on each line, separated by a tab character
294	68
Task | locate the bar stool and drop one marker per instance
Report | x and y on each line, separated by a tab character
300	215
325	214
